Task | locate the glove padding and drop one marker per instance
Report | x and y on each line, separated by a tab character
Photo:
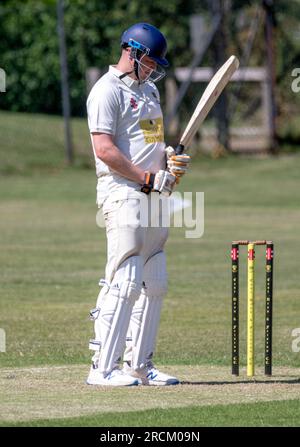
177	164
162	182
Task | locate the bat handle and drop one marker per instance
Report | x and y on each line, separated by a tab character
179	149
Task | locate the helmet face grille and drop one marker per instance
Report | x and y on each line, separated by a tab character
139	46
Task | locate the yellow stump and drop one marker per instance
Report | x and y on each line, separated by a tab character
250	310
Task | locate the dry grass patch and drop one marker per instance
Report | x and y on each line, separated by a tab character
60	391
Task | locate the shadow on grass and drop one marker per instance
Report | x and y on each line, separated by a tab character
237	382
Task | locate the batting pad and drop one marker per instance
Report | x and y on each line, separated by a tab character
145	315
116	309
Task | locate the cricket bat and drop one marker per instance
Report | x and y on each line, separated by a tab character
207	100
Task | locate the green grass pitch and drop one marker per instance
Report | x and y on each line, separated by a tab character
52	256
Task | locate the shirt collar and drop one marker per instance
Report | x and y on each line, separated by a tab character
127	79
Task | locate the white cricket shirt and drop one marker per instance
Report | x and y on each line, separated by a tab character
131	113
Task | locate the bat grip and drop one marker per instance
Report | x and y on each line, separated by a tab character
179	149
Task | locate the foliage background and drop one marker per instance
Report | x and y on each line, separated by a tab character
30	57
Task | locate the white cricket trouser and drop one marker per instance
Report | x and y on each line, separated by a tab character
136	281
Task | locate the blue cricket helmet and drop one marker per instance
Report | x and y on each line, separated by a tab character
148	40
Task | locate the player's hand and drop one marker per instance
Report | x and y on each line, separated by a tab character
163	182
177	164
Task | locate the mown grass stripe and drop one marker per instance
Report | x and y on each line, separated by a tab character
263	414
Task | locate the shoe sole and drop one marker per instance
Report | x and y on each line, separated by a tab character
107	384
164	383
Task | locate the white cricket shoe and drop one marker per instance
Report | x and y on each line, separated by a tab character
115	378
150	375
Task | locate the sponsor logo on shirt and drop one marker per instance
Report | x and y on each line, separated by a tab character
153	130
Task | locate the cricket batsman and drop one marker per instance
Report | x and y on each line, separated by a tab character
133	167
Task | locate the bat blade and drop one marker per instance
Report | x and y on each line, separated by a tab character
207	100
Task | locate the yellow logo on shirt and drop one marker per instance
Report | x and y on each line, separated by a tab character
153	130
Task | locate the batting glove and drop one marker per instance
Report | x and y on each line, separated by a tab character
162	182
177	164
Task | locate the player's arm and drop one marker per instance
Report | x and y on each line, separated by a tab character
109	153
